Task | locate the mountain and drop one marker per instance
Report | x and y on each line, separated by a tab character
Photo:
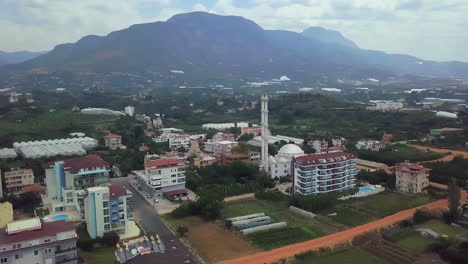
17	57
204	45
326	36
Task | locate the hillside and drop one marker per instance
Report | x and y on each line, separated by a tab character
204	45
17	57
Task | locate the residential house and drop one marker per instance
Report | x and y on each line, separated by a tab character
16	179
411	177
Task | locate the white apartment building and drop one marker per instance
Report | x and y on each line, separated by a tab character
16	179
179	141
130	110
368	144
29	241
339	142
162	176
320	146
323	173
386	105
280	164
220	147
107	208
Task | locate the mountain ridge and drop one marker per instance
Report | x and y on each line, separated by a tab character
205	44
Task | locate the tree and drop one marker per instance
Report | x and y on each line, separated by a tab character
454	199
181	230
246	137
182	149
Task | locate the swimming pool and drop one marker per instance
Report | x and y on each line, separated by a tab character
365	189
60	217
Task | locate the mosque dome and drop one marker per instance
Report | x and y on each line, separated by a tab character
290	150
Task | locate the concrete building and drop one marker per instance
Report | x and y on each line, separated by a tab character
220	147
130	110
320	146
16	179
113	141
30	241
368	165
157	122
411	177
386	105
6	214
368	144
68	180
203	161
228	158
162	176
179	141
255	130
339	142
323	173
280	164
107	208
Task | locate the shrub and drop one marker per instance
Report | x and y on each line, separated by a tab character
181	230
110	239
421	216
273	195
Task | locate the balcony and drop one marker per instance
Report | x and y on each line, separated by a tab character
66	250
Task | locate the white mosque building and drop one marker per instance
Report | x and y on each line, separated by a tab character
280	164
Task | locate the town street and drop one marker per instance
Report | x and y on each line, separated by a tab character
146	216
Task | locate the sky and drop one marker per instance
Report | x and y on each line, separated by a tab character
429	29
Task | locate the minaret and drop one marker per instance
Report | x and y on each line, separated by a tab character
264	164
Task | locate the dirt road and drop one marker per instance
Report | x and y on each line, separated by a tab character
439	150
331	240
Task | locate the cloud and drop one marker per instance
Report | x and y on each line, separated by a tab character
431	29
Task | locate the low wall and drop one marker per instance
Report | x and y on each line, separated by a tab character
304	213
264	228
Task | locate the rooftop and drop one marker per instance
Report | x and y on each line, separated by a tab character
324	158
413	167
46	230
162	163
116	191
25	224
112	136
89	162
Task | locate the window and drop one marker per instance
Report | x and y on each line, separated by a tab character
106	219
18	256
106	211
15	246
4	260
106	227
47	240
48	250
36	252
173	181
105	204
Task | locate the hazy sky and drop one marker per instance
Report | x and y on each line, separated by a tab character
430	29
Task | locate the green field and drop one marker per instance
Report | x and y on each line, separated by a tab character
347	256
399	153
299	228
100	255
415	243
51	125
444	229
358	211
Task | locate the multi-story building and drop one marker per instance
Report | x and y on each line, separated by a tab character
107	208
68	180
255	130
339	142
386	105
162	176
280	164
220	143
411	177
113	141
178	142
130	110
16	179
203	161
323	173
30	241
368	144
320	146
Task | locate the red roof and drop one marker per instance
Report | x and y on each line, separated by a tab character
415	167
112	136
36	188
324	158
87	162
162	163
47	230
116	191
176	192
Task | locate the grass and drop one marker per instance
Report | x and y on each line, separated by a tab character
41	212
104	255
415	243
443	228
399	153
358	211
347	256
275	238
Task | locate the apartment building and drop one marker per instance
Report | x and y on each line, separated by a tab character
178	142
30	241
162	176
113	141
16	179
368	144
320	146
323	173
68	180
411	177
203	161
107	208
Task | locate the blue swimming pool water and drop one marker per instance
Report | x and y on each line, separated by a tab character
60	217
365	189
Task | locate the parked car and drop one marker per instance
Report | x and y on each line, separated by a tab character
140	189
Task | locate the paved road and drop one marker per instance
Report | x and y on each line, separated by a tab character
176	251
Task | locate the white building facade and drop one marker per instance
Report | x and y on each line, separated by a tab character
280	164
162	176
